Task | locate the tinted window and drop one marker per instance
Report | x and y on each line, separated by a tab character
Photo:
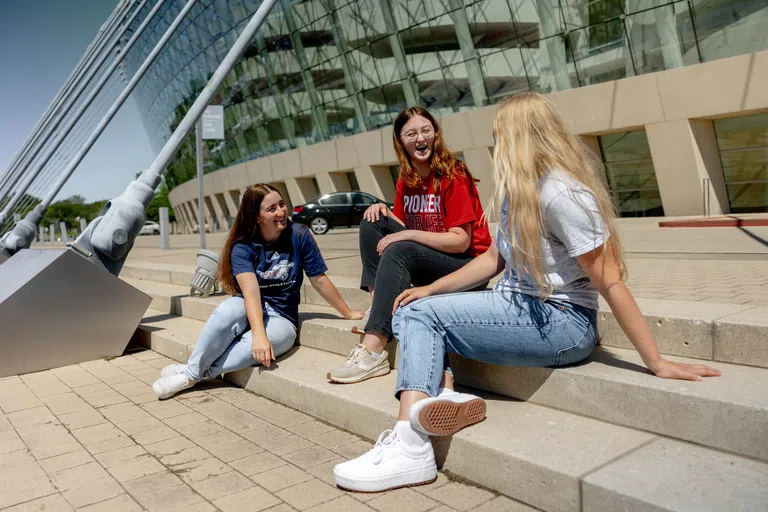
333	199
358	198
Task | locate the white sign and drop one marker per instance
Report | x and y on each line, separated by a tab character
213	122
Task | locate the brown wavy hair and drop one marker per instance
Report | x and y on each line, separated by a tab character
441	161
244	228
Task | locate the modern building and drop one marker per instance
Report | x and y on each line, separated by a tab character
671	94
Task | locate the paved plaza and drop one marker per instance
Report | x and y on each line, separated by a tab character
722	265
94	437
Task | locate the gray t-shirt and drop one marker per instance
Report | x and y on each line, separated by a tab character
573	227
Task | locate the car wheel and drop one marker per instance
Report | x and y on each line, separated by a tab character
319	225
156	232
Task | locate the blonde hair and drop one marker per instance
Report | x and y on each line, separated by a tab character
532	139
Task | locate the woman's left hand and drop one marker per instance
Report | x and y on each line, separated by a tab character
669	370
389	239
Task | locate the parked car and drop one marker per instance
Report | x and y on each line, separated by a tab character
196	229
338	209
150	228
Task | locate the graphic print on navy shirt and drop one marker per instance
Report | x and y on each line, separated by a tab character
280	267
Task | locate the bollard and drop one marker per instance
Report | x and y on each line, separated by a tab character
64	237
83	225
41	235
165	239
53	233
16	218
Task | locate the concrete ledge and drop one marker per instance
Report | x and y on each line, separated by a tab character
681	328
742	337
729	412
511	451
677	476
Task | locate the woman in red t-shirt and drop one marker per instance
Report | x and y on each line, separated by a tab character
437	227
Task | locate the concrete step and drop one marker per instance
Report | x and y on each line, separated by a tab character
729	412
702	330
551	459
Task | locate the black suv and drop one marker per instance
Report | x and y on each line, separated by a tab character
333	210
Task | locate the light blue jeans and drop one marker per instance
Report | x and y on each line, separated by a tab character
509	329
225	342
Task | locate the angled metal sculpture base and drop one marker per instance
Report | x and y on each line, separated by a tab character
57	308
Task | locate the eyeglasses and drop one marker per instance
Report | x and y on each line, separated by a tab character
427	132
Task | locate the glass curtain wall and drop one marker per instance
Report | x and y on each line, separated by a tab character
743	145
322	69
631	177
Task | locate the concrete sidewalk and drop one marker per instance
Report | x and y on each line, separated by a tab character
94	437
658	271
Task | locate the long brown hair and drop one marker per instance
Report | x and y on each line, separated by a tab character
532	139
244	228
441	161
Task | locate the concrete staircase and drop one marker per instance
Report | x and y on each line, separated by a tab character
603	435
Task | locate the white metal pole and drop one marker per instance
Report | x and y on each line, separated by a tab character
62	134
111	238
20	236
200	192
39	135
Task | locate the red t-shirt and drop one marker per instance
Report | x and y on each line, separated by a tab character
457	204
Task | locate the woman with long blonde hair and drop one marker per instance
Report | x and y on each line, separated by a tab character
262	265
557	247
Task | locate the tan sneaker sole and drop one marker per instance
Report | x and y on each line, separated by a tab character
444	418
380	372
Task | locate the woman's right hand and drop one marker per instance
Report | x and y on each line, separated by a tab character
262	350
375	211
410	295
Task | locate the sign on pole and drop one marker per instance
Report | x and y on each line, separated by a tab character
213	122
210	127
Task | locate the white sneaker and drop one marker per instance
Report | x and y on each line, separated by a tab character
389	465
446	414
173	369
166	387
359	366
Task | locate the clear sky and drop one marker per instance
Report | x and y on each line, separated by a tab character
41	41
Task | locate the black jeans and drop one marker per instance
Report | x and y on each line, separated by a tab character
402	264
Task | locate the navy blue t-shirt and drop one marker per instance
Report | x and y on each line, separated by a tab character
278	267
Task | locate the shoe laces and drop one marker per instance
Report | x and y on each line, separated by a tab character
386	439
358	354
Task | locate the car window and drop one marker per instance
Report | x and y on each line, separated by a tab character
358	198
333	199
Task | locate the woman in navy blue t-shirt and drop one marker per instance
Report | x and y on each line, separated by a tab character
262	266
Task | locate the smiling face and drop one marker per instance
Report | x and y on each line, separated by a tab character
418	139
273	216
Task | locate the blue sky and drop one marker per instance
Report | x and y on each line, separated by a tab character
42	41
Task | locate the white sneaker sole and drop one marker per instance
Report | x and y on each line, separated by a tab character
443	417
379	371
166	396
409	479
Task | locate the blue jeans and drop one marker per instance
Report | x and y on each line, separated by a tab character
509	329
225	342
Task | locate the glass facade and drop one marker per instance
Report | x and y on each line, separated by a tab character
631	178
323	69
743	145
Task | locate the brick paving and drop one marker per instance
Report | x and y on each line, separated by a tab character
721	281
94	437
